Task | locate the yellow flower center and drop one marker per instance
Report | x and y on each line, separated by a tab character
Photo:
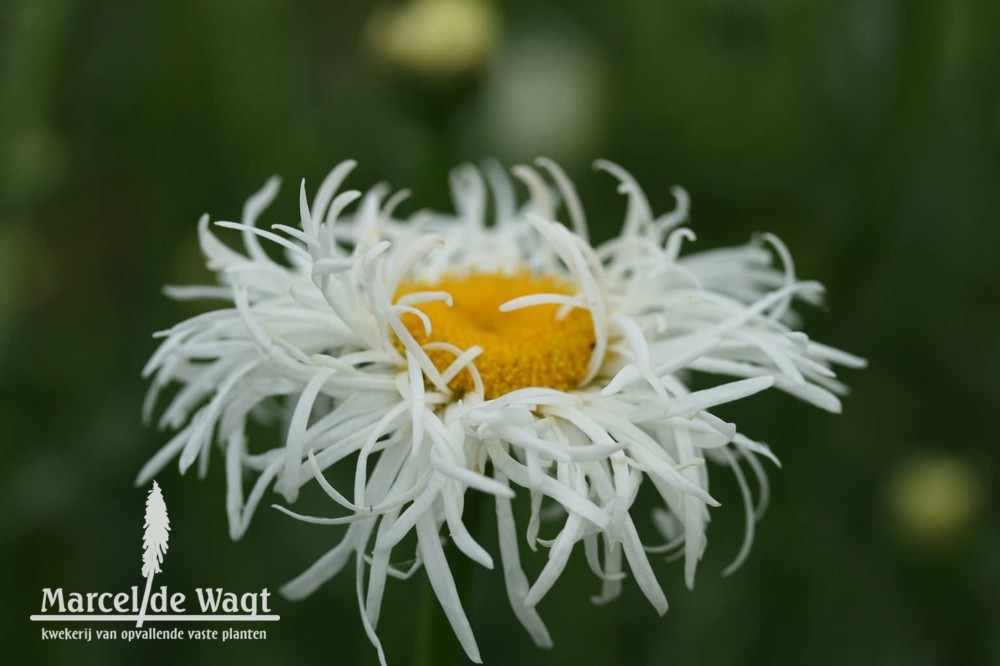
521	348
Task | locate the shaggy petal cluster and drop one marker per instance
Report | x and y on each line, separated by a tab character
337	343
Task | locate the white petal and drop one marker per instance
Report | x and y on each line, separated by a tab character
443	584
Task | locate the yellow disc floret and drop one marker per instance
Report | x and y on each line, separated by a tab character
532	346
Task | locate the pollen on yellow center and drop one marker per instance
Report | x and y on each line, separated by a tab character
529	347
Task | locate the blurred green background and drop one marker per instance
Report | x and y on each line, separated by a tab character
865	133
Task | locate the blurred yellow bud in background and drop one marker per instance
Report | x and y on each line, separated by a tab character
436	38
935	498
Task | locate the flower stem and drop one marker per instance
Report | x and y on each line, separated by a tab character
434	642
424	642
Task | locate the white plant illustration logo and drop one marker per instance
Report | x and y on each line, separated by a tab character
154	542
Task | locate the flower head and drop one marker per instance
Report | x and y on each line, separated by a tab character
493	350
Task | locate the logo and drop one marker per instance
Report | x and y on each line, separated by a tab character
161	605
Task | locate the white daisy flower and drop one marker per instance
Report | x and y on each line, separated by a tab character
494	351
